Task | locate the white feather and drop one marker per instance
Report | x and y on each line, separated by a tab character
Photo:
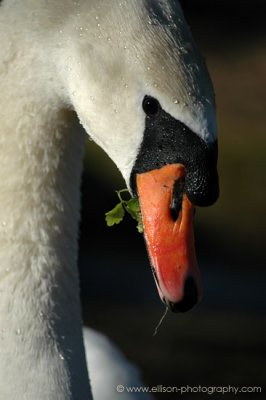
98	58
108	369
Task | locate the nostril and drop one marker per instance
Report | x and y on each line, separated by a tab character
190	297
177	197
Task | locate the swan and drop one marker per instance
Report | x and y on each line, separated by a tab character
131	73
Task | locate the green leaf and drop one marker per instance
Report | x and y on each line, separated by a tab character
140	226
133	208
119	194
115	216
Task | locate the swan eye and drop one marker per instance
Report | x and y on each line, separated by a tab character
151	106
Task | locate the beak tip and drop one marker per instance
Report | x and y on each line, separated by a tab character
190	298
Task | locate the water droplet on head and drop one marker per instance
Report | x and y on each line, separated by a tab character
176	101
18	332
61	356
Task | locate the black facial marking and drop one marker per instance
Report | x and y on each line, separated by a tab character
168	141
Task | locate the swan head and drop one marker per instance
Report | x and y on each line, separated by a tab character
143	93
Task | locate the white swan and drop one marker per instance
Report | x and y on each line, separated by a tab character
101	59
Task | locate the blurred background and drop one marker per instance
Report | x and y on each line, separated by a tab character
221	341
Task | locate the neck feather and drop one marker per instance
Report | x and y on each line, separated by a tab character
40	318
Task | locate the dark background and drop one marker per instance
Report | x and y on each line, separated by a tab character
221	341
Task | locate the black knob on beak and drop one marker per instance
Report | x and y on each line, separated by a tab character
169	141
202	182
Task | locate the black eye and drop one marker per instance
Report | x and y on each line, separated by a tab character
151	106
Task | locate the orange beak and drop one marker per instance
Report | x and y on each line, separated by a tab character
169	236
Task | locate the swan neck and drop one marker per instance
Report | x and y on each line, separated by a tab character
40	314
